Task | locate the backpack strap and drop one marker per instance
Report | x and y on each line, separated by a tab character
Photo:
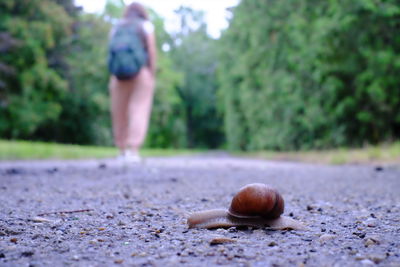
137	23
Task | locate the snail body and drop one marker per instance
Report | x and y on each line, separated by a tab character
255	205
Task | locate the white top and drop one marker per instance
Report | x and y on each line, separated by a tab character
148	27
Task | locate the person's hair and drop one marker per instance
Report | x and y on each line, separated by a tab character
136	10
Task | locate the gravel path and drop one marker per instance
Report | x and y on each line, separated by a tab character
136	215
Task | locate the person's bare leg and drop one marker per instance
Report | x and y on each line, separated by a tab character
139	109
119	93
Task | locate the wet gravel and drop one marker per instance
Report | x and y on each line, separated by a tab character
89	213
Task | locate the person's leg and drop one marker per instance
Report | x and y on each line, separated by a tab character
139	109
119	94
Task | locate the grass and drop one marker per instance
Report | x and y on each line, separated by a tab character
17	150
384	154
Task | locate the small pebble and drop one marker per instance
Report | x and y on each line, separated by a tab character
369	242
326	237
233	230
360	235
378	168
102	166
377	258
360	257
272	244
52	170
370	222
353	252
13	171
221	231
221	240
27	253
367	262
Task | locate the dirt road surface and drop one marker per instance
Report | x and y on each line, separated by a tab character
105	213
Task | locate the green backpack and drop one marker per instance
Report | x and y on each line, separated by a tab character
126	52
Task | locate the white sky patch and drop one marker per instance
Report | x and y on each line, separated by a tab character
215	11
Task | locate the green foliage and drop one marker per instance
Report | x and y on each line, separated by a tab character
114	9
54	81
379	154
285	75
31	89
85	115
17	150
310	74
366	76
194	54
167	126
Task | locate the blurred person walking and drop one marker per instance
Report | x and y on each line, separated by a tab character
131	62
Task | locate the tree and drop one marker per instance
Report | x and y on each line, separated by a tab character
54	80
319	77
31	88
194	54
85	115
167	126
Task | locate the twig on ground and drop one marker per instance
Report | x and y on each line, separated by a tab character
64	211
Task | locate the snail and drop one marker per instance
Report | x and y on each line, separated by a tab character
257	205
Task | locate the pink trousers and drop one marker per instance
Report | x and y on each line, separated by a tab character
131	103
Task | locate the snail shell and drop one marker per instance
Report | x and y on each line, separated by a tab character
257	200
255	205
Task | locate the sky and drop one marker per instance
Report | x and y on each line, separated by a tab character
215	10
